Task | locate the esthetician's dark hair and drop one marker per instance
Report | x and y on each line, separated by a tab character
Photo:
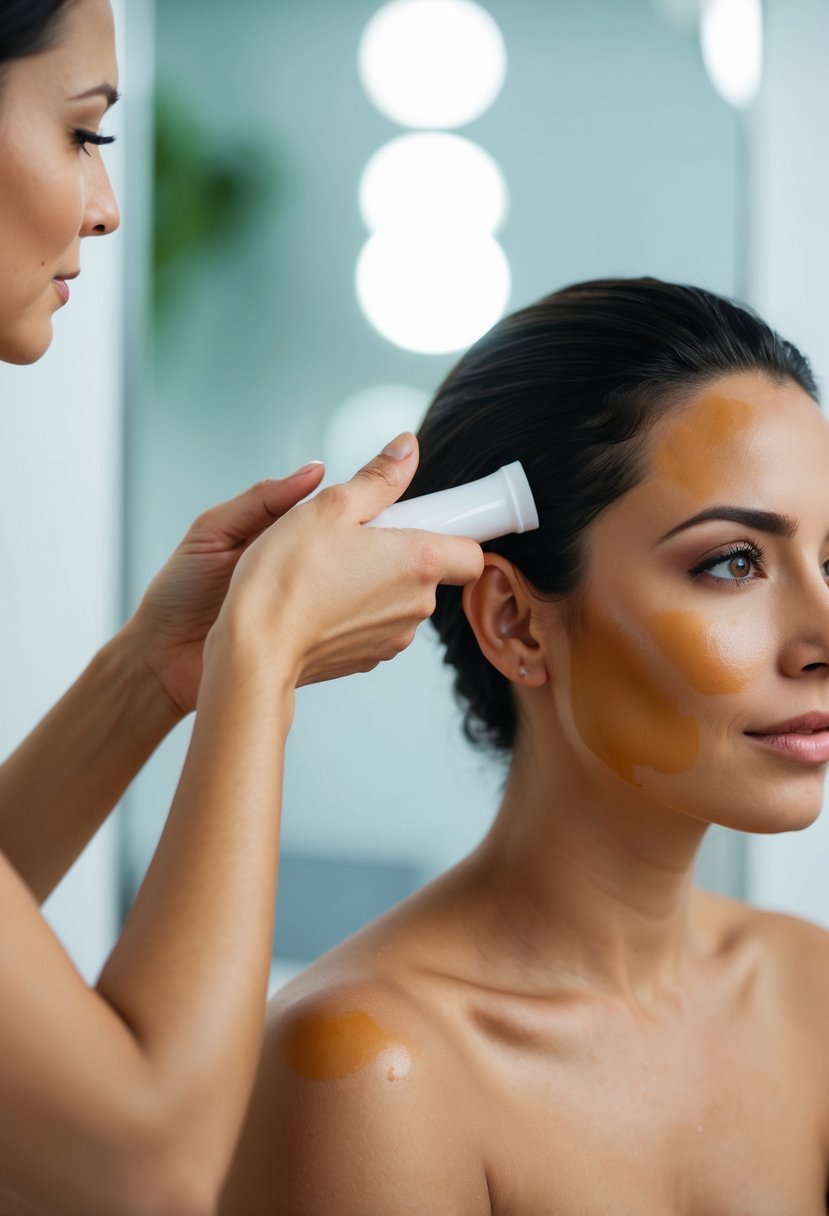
570	386
28	27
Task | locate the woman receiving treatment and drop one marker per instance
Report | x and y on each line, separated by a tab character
562	1024
126	1099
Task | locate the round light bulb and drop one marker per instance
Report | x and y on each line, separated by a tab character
432	292
365	422
432	63
731	35
433	180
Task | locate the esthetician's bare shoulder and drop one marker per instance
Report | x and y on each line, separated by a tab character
394	1081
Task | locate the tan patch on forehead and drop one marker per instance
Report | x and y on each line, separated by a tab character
696	449
327	1046
621	712
686	641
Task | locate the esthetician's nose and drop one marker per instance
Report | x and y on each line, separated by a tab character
101	214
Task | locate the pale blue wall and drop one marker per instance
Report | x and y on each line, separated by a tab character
620	159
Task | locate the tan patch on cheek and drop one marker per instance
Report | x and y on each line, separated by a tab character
687	642
697	449
325	1047
620	711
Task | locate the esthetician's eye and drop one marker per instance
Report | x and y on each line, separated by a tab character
738	564
83	137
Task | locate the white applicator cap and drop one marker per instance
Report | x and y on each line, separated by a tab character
493	506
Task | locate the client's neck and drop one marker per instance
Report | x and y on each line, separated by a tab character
589	886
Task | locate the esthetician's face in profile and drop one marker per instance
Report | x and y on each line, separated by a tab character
696	667
54	188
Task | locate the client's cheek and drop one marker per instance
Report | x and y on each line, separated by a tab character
692	645
621	711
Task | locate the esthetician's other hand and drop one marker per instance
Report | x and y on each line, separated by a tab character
183	600
319	596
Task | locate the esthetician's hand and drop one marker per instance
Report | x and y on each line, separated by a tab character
183	600
319	596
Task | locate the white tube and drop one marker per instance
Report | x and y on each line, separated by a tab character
493	506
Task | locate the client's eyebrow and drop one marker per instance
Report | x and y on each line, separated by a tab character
763	521
100	90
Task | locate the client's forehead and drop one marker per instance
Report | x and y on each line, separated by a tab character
741	440
742	434
696	447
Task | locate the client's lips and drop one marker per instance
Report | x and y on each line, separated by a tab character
805	738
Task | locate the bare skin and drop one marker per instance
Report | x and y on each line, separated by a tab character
128	1097
55	189
135	1098
562	1024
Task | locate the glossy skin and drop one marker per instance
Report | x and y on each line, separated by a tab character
562	1024
53	191
134	1091
127	1097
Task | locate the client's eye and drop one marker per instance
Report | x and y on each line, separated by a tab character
736	565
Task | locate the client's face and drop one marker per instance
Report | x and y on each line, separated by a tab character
699	657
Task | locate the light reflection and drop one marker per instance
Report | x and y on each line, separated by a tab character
432	292
365	422
433	180
731	35
432	63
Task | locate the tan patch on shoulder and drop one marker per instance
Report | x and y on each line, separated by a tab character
324	1046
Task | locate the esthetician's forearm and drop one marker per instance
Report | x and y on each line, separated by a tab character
60	784
189	972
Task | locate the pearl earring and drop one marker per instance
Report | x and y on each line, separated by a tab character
522	672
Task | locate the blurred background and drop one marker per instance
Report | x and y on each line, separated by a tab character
324	204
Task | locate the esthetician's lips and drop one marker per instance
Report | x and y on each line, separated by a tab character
804	739
60	282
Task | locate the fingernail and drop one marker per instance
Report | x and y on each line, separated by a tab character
400	447
306	468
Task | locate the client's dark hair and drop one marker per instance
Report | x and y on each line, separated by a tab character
570	386
27	27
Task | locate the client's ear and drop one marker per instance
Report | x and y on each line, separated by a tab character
499	610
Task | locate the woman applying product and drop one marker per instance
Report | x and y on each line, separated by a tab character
127	1097
562	1024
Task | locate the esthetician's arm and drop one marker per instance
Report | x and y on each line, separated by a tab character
128	1098
59	786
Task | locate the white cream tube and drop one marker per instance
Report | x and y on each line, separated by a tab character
493	506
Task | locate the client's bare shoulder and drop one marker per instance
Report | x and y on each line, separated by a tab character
799	954
363	1103
792	953
788	961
